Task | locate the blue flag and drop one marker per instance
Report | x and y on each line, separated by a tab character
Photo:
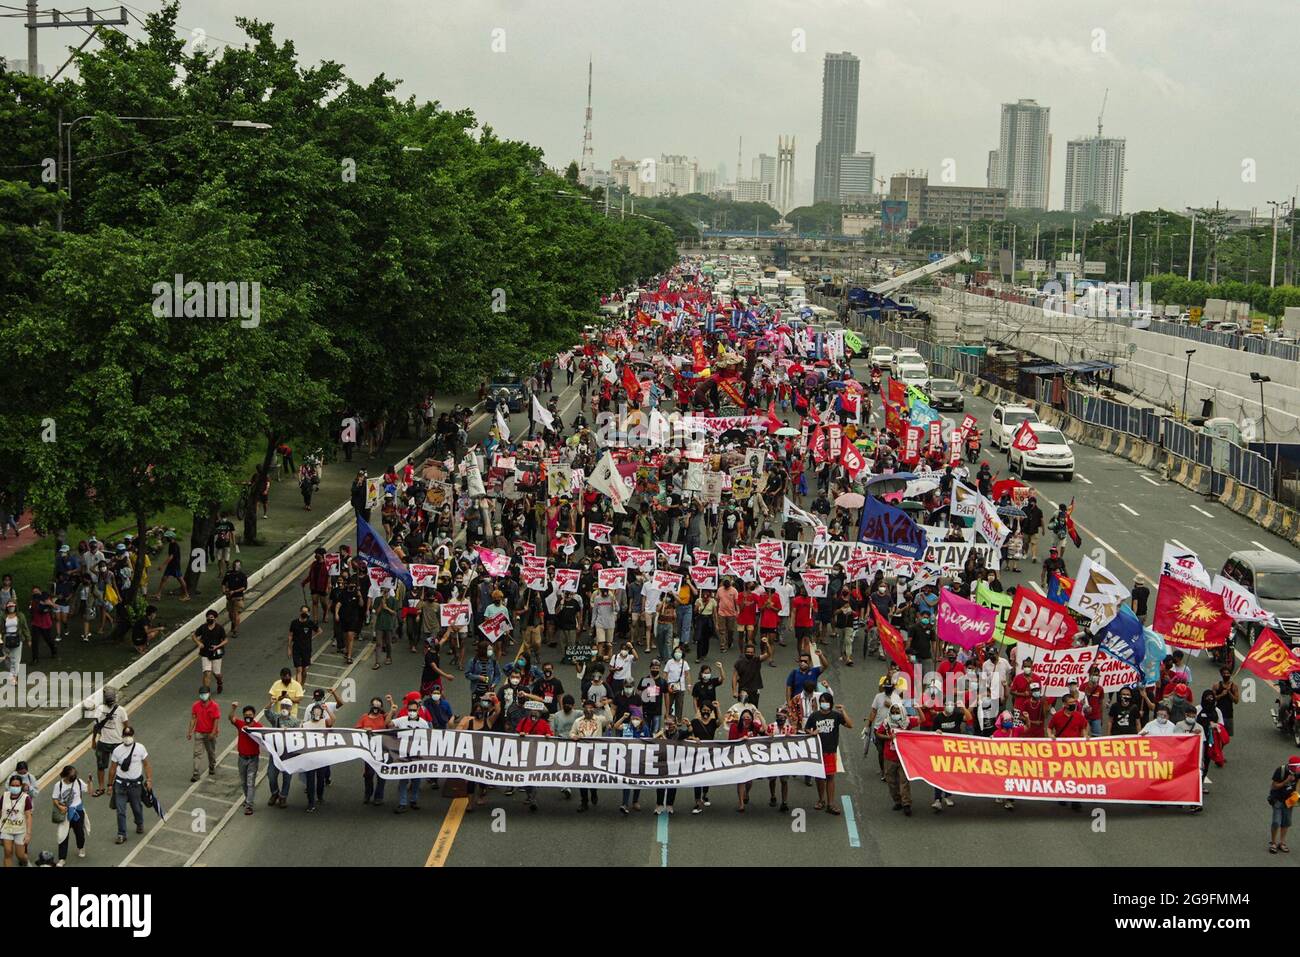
709	322
1122	637
1057	593
922	414
375	551
891	529
1155	651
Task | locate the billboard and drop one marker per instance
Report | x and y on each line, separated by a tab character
893	212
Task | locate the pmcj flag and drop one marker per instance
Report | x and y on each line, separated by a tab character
375	551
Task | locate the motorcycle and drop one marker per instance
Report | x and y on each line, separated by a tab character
875	381
972	447
1285	714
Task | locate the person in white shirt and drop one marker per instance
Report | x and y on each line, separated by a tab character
1160	726
677	672
129	774
69	801
106	733
409	720
623	663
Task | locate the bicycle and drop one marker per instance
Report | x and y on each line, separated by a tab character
241	504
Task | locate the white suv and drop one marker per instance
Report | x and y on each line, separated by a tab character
905	357
882	357
911	373
1053	453
1004	422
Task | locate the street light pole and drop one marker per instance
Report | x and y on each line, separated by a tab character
1186	377
1263	420
1272	266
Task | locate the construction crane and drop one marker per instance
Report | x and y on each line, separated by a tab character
1102	112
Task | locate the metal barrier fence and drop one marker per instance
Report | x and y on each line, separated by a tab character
1221	457
1228	340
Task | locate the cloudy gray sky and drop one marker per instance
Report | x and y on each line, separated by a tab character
1197	88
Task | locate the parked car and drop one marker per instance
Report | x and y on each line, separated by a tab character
1005	420
1274	580
1053	453
944	394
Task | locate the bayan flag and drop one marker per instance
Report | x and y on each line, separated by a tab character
891	529
893	419
1190	617
1039	621
963	622
1123	638
818	446
891	641
1025	440
1270	657
375	551
1097	593
1185	566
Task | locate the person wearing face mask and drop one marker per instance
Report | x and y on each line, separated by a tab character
592	724
748	725
408	788
704	727
534	724
1009	726
900	790
211	640
203	731
652	690
1020	685
631	725
705	691
1069	720
1160	726
303	630
673	730
286	686
106	734
483	667
482	717
68	802
250	755
880	600
949	719
1227	694
547	689
1035	712
280	714
16	633
376	718
678	675
128	775
1125	713
825	722
16	823
747	673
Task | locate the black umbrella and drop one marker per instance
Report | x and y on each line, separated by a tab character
887	484
1011	511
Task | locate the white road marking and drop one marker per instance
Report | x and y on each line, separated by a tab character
1202	511
1149	480
1174	541
1107	547
1037	587
1127	509
1085	481
1258	545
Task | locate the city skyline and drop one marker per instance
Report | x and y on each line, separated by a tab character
909	115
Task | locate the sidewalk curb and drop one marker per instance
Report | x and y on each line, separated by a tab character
79	712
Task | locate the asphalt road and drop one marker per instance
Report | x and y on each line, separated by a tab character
207	826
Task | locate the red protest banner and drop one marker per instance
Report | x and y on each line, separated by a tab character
1126	769
1190	617
1036	620
1270	657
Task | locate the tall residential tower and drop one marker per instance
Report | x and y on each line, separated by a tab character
839	131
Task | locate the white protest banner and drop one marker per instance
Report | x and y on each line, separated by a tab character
423	576
613	578
333	561
717	424
496	626
1184	566
627	555
965	501
769	575
567	542
712	493
645	560
672	552
701	556
453	614
514	760
705	577
379	576
667	581
1097	593
474	481
374	492
1055	669
815	582
606	479
566	579
534	577
988	524
599	533
1240	602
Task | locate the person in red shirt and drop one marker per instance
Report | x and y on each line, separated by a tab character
376	719
1068	722
747	616
1020	686
805	608
1096	698
950	665
203	730
1035	711
535	724
769	621
250	754
899	788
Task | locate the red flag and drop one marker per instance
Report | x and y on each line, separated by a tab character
812	415
892	641
1190	617
630	383
897	392
893	420
852	459
818	446
1270	657
1036	620
849	401
773	420
1024	440
728	386
1069	526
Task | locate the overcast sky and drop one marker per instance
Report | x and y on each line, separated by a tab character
1197	88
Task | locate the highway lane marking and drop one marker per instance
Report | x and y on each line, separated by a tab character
1149	480
1202	511
850	822
1085	481
447	833
661	835
1174	541
1258	545
1037	587
1102	543
1127	509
